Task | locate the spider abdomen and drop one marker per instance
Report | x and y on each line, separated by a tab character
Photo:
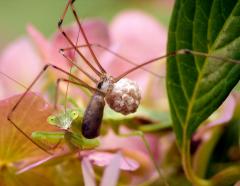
125	96
92	118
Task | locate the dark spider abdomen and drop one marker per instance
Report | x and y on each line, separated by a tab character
93	115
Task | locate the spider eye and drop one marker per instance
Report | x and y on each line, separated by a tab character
52	120
74	114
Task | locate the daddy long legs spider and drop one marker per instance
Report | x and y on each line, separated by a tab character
103	77
96	128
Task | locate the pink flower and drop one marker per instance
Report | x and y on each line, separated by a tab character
96	31
138	37
103	159
111	173
223	115
21	62
134	149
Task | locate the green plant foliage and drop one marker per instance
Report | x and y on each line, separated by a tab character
198	85
228	147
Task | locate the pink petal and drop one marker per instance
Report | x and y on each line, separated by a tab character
238	183
40	41
141	33
219	117
88	173
111	173
45	50
1	89
139	38
134	143
19	61
96	32
103	159
226	111
34	165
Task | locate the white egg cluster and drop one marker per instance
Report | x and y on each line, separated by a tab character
125	96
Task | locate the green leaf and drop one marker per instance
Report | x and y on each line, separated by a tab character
237	87
145	119
202	156
197	85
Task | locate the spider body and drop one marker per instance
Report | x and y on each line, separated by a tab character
122	96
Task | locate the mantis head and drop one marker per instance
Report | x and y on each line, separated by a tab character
63	120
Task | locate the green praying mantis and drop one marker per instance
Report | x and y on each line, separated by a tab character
70	121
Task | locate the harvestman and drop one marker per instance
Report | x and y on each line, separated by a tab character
107	87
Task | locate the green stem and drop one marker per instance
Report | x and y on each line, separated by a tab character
153	160
187	166
227	176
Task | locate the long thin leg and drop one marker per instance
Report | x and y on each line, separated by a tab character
59	80
62	50
181	52
77	66
70	71
29	88
71	42
85	37
12	79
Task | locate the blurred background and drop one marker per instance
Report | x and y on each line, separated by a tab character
44	14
